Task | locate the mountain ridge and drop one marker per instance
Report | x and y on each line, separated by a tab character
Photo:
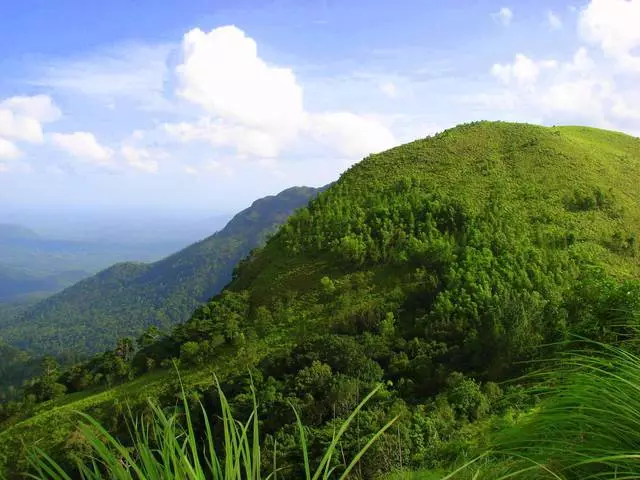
161	293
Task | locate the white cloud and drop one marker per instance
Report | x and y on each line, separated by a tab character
389	89
504	16
554	20
245	140
257	109
579	90
190	170
523	71
352	135
8	151
586	97
222	73
21	118
84	146
20	128
38	107
139	159
613	25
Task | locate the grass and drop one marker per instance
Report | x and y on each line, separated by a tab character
587	428
166	447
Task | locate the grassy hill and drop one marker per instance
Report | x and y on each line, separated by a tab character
127	298
436	268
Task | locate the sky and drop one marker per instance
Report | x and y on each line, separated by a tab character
207	105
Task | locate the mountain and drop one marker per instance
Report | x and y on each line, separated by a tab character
442	269
18	285
126	298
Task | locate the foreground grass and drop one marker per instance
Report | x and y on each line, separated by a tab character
166	447
587	427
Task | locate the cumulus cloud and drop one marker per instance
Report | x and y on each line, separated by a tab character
38	107
523	71
612	25
83	146
21	118
222	73
578	90
554	20
504	16
8	150
255	108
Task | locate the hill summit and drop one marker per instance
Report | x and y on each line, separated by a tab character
437	268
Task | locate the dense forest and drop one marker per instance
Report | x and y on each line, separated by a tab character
127	298
442	272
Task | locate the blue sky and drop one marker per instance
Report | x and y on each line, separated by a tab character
207	105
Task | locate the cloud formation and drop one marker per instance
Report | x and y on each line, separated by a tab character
21	118
613	26
257	108
83	146
8	150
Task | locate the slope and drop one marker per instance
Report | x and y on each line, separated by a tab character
127	298
436	268
19	285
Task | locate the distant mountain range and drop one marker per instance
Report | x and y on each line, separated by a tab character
17	285
34	266
128	297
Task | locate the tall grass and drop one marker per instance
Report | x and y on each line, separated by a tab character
587	427
167	447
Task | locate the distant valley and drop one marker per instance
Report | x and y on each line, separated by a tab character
127	297
34	265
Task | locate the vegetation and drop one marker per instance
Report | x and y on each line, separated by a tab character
440	269
16	284
127	298
587	425
167	447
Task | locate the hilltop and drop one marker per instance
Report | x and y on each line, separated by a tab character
127	298
436	267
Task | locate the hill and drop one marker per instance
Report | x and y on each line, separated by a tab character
438	268
127	298
19	285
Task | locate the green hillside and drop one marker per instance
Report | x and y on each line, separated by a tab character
438	268
17	285
127	298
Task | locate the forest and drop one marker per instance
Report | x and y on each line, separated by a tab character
467	279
